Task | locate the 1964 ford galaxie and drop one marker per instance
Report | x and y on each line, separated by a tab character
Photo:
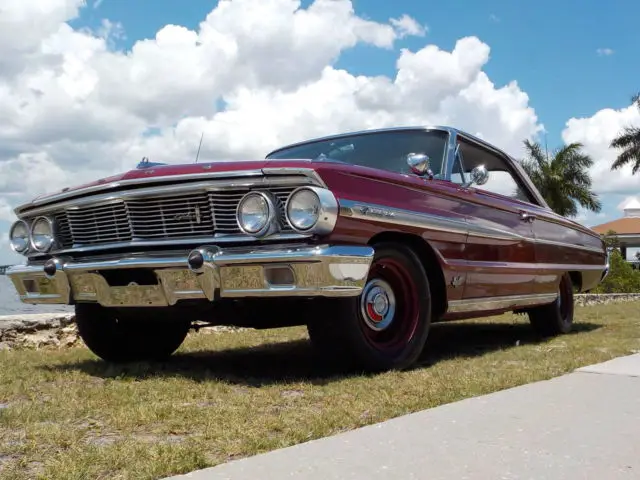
366	238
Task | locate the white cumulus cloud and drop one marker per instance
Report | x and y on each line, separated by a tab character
596	133
405	25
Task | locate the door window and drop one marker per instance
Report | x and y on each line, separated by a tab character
502	180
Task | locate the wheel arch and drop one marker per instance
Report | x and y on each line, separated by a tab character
576	280
430	261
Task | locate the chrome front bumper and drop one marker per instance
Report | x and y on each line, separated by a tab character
206	273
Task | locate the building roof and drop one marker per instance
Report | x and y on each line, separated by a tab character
628	225
622	226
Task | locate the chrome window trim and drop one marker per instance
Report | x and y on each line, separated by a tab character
511	164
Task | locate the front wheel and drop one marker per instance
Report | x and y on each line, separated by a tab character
557	317
386	326
119	336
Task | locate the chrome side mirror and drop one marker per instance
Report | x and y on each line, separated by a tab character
419	163
479	175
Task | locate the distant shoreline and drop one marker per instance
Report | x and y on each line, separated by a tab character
10	303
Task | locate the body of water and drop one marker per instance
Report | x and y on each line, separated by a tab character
10	304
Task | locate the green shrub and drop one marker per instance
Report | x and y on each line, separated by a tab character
622	277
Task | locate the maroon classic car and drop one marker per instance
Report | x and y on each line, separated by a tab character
366	238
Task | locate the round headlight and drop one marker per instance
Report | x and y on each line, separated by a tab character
255	213
303	209
19	237
42	234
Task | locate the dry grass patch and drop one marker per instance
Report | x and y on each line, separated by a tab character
64	414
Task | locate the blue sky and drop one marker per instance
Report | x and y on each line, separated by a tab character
549	47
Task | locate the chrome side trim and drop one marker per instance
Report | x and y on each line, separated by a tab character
381	213
398	216
316	271
499	303
569	245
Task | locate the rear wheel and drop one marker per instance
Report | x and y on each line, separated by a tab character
116	336
557	317
387	325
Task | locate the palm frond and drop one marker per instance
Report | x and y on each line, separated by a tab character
535	153
563	179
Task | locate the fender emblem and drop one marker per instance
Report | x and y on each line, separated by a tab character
378	212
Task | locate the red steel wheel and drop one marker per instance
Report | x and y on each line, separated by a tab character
386	326
389	306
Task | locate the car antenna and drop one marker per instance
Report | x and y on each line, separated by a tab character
198	154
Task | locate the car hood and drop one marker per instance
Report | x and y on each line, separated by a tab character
177	172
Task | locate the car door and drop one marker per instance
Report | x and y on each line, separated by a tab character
500	250
562	246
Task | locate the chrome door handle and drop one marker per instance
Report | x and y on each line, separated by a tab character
527	217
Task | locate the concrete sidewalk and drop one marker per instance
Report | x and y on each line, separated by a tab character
584	425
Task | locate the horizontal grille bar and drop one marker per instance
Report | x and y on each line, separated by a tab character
195	215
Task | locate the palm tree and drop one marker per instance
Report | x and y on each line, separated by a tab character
562	179
629	142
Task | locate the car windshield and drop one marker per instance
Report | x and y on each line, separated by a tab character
386	150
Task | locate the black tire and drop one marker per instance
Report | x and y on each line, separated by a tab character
555	318
353	331
115	336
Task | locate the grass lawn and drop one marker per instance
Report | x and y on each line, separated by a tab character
66	415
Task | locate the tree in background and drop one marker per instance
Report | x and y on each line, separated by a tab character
562	178
629	142
622	277
611	240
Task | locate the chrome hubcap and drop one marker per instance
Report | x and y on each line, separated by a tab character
377	304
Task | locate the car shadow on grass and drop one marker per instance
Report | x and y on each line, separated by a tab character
296	361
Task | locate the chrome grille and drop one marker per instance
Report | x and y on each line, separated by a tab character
184	216
63	231
225	203
100	224
174	217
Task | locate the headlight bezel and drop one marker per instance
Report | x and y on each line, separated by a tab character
28	237
271	215
327	211
52	234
